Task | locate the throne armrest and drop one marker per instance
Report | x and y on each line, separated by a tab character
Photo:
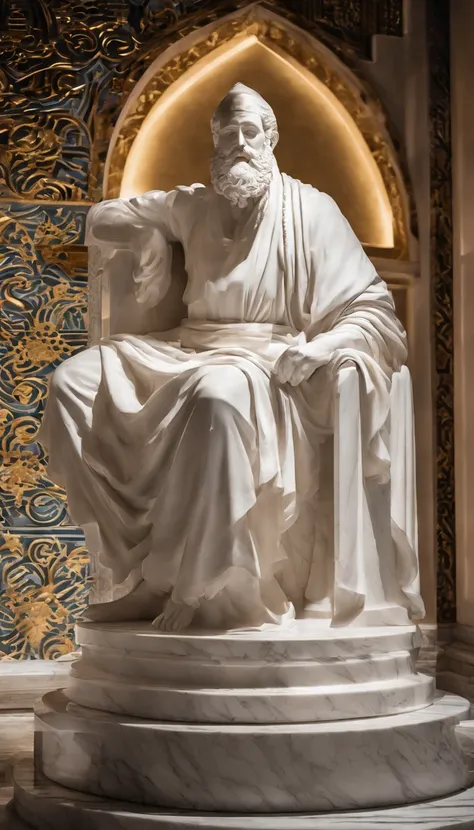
349	497
375	529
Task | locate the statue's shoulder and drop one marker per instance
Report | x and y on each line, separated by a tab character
309	193
315	202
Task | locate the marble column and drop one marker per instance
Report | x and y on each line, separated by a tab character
400	74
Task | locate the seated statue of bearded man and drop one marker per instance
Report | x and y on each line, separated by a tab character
196	454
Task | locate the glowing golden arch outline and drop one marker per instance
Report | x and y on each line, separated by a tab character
164	77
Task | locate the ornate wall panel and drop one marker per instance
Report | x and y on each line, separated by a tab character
68	66
352	23
43	567
442	279
44	578
43	322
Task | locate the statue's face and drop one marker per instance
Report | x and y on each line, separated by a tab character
241	135
241	168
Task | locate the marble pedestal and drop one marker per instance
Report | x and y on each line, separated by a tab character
264	768
305	673
266	725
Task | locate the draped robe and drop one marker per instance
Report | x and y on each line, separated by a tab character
197	468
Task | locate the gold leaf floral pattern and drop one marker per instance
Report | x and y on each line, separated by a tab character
44	580
43	296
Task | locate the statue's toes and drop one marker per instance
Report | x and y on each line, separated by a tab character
159	622
182	618
174	618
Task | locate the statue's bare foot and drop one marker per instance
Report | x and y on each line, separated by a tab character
140	604
175	616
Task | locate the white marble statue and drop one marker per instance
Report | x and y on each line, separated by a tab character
199	460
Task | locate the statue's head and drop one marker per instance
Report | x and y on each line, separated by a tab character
245	132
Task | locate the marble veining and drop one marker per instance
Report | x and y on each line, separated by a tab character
306	672
235	672
304	639
261	768
295	704
47	806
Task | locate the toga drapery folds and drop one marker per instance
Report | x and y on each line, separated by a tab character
195	467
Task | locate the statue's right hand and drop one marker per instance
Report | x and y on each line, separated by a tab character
298	363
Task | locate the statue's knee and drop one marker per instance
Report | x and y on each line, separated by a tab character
78	376
60	381
217	396
212	410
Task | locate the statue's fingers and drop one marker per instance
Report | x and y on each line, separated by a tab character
296	376
308	371
284	369
302	372
277	367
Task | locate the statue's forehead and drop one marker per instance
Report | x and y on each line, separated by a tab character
239	105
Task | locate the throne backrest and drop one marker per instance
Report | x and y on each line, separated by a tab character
113	307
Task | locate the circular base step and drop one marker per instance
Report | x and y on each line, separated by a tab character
304	673
41	804
254	768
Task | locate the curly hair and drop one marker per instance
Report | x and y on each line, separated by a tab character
266	113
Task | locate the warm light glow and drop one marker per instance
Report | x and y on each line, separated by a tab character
319	141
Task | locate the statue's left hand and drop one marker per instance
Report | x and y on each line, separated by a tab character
298	363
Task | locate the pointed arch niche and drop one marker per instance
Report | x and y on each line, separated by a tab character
332	129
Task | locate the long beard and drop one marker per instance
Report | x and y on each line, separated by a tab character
243	180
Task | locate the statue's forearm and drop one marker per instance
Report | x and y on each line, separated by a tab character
345	336
386	342
368	325
128	223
